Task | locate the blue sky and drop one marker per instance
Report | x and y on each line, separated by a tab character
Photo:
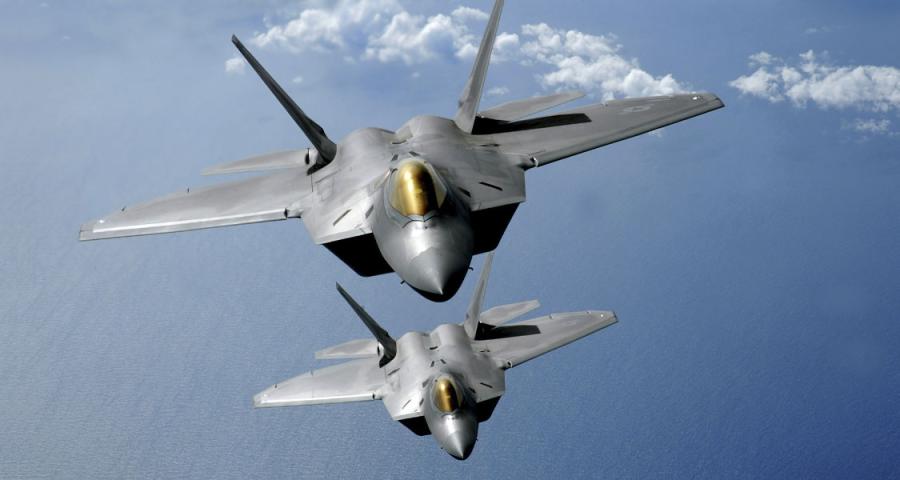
751	254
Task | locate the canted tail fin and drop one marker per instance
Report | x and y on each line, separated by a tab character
481	325
473	314
387	342
326	148
471	94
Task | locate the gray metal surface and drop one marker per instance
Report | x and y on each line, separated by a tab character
471	94
342	196
473	356
361	348
261	199
609	122
516	109
504	313
260	163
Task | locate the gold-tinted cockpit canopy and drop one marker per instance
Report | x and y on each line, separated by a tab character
415	189
447	398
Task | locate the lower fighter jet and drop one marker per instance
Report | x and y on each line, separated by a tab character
442	383
419	201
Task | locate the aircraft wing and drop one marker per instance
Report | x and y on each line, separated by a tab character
260	199
355	381
551	138
519	342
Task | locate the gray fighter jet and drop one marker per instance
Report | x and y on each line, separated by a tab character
420	201
445	382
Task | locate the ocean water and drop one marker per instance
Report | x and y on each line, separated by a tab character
755	272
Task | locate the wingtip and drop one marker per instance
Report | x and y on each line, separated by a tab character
86	232
235	40
712	98
614	319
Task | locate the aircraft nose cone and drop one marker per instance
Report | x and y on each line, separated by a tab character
459	445
438	273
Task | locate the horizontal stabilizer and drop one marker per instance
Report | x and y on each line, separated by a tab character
501	314
517	109
260	163
354	381
514	344
362	348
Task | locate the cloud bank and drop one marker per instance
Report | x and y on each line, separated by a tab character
813	80
379	30
590	62
384	31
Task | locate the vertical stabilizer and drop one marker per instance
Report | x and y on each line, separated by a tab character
473	314
471	95
387	343
326	148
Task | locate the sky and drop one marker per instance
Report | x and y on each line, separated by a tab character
752	254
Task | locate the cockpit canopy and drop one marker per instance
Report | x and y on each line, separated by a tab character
446	395
416	190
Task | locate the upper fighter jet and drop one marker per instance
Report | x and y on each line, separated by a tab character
419	201
445	382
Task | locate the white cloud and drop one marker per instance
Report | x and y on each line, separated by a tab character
298	79
415	39
235	66
384	31
497	91
590	62
761	58
506	47
469	13
815	30
871	126
760	83
339	27
380	30
862	87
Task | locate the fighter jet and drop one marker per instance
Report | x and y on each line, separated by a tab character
442	383
419	201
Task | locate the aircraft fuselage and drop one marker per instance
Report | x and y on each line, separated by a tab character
441	370
422	226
